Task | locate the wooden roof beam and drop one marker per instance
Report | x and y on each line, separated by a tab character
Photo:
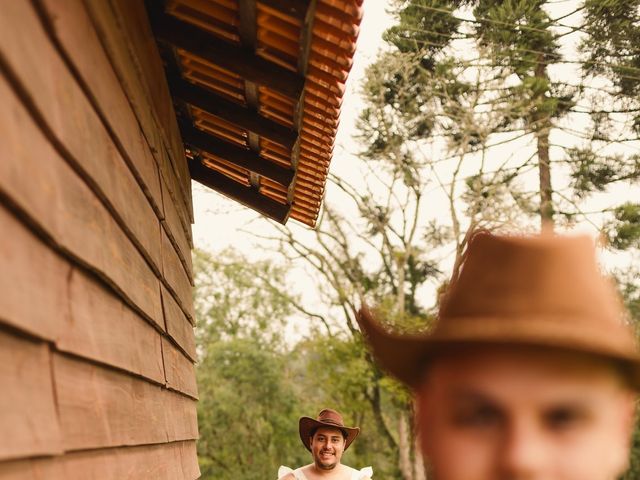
294	8
241	61
236	155
208	101
247	196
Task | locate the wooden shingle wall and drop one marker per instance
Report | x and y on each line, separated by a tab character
96	312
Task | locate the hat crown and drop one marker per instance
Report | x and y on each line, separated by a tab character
330	416
543	277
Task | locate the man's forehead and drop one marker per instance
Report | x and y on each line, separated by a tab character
328	432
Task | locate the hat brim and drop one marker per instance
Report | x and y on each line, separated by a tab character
307	425
405	356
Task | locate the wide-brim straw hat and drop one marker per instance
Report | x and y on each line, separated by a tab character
326	418
543	291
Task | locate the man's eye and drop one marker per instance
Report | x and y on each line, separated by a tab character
485	416
563	418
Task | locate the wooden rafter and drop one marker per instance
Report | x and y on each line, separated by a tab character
293	8
238	60
248	196
243	117
248	37
236	155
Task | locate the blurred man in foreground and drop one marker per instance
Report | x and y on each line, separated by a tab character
530	371
326	437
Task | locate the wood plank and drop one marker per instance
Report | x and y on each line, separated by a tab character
245	195
240	61
50	468
104	329
63	208
119	408
73	124
176	279
170	461
236	155
294	8
30	269
178	326
243	117
134	21
70	24
247	11
72	309
115	39
27	405
171	194
180	372
173	226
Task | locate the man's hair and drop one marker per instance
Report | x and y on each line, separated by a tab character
345	434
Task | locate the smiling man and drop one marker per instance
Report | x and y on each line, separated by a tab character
530	372
326	437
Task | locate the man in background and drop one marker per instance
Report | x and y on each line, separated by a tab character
530	372
326	437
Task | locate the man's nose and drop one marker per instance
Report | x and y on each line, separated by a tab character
524	451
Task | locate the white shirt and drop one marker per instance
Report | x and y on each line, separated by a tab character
366	472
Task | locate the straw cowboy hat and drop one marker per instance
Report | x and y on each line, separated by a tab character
538	291
326	418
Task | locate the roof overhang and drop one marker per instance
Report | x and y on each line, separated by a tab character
257	88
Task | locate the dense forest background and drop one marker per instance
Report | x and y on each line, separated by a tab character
510	116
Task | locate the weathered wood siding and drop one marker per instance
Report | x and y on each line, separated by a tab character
96	313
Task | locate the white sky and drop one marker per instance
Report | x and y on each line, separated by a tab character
220	222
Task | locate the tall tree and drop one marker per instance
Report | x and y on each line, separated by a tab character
486	75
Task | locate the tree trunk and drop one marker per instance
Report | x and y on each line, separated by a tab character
404	448
419	470
544	166
400	300
543	127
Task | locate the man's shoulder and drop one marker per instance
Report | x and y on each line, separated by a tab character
350	473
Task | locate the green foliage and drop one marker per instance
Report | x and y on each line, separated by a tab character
428	32
613	42
247	411
624	230
236	298
592	172
634	460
